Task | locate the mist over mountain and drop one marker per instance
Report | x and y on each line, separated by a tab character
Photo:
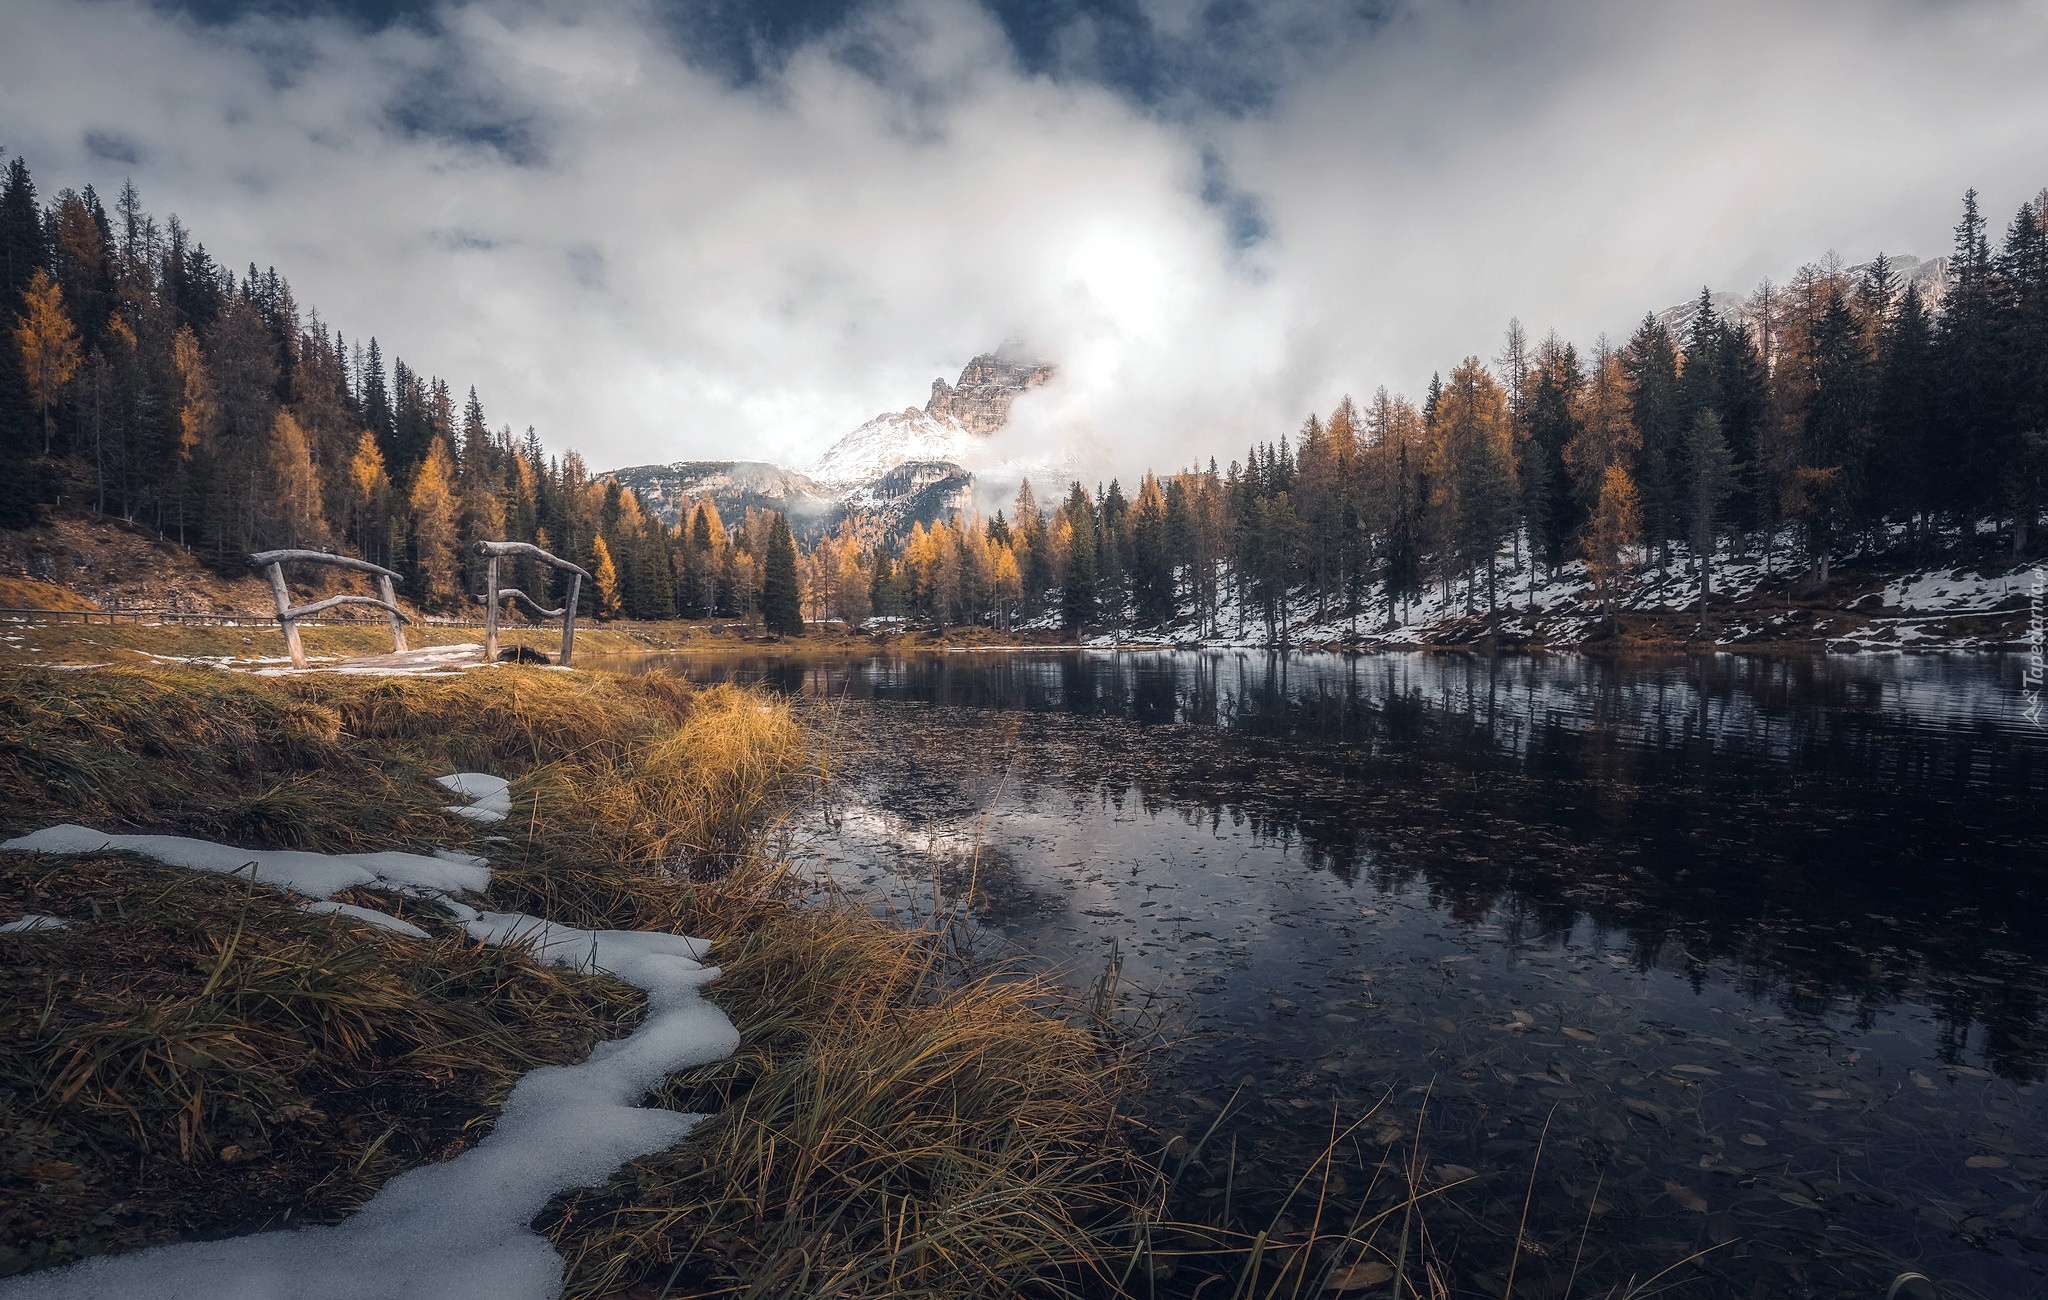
915	465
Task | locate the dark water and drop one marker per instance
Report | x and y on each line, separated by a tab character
1762	944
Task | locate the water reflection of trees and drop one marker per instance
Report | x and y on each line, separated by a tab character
1783	823
1839	835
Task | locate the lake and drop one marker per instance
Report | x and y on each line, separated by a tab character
1734	965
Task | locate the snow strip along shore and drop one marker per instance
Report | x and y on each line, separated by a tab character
457	1229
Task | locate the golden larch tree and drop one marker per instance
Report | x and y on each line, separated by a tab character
294	498
1612	533
607	575
432	504
48	343
368	488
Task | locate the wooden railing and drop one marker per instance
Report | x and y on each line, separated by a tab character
495	595
288	614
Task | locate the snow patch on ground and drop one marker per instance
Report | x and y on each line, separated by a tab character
1955	591
490	796
382	920
456	1230
315	875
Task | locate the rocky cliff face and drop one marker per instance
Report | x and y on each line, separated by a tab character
980	402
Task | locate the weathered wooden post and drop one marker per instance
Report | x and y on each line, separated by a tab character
390	595
290	624
491	610
569	616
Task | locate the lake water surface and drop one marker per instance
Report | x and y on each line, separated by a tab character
1754	951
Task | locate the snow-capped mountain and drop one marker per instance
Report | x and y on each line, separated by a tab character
887	441
901	467
953	423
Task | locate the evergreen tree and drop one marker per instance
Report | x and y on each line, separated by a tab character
1152	591
1077	585
1709	472
781	607
1973	446
1651	363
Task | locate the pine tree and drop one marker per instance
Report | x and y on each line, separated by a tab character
781	596
1151	557
1709	471
1077	585
1974	447
1651	363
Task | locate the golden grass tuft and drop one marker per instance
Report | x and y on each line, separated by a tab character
887	1128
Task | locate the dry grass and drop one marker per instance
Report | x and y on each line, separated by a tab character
891	1126
28	593
196	1055
887	1128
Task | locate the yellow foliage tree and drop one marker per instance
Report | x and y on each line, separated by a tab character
607	575
368	485
432	502
198	409
48	343
1613	532
294	485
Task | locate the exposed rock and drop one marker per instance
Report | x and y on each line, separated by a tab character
980	402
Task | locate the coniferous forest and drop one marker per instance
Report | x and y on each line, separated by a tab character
1840	413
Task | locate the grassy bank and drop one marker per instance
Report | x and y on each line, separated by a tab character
195	1055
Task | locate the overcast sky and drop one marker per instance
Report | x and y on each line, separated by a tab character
660	231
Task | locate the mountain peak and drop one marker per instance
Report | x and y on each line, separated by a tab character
957	415
980	401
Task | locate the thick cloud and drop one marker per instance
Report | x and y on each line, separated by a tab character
651	260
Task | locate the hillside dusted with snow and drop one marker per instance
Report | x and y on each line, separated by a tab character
902	467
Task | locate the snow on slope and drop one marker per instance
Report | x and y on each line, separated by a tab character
887	441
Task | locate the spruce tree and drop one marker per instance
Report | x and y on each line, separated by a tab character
781	598
1077	586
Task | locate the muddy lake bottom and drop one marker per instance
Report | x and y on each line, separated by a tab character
1736	971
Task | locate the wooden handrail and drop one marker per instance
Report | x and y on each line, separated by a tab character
528	548
288	615
533	606
264	559
319	606
495	551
